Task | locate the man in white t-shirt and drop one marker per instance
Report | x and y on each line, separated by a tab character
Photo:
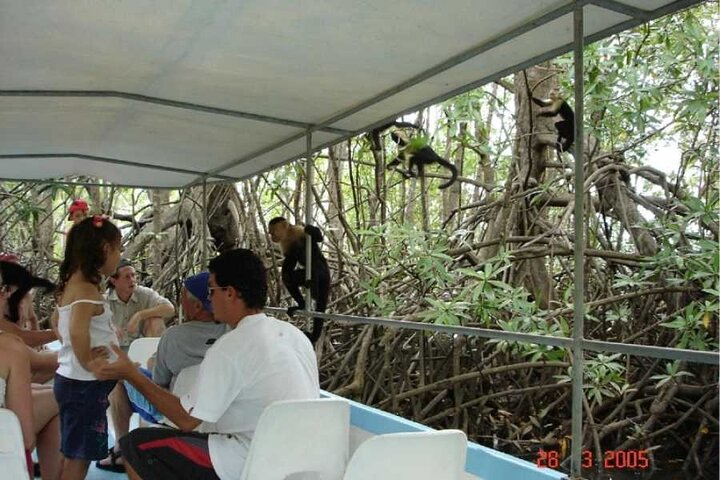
260	361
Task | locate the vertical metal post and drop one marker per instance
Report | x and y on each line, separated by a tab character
309	171
203	246
579	315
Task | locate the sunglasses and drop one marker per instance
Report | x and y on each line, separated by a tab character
210	290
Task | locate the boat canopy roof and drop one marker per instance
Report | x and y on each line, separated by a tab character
166	93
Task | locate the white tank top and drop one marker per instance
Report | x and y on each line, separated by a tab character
102	333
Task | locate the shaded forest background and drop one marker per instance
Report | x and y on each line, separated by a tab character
494	250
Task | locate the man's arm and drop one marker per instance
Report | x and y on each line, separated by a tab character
168	404
161	374
162	310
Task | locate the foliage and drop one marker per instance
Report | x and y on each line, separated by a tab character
672	373
392	257
604	377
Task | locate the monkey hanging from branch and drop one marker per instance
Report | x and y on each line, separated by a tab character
416	153
292	240
377	131
557	106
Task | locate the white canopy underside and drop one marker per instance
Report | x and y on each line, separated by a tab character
160	93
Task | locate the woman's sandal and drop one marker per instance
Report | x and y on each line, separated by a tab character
113	466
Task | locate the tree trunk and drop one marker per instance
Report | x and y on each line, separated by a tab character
517	215
223	216
159	199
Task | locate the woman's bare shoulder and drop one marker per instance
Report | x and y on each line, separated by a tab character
79	291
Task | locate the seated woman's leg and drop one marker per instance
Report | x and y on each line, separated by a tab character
43	365
47	431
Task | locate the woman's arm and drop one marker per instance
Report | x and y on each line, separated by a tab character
32	338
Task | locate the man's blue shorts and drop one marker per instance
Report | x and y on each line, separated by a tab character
140	404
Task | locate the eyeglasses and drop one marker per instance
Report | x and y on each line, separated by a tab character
210	290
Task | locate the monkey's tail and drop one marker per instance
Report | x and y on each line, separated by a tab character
317	327
453	172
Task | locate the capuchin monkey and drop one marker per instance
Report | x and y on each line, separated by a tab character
292	241
377	131
556	105
418	158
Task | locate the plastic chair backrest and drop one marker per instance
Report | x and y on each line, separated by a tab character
300	436
12	448
185	380
436	455
141	349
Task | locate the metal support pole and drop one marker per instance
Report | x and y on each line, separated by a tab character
203	246
309	170
579	315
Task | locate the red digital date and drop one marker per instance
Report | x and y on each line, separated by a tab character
612	459
632	459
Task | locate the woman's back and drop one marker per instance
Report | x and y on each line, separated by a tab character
101	332
15	392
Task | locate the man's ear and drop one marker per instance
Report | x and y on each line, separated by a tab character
197	307
233	293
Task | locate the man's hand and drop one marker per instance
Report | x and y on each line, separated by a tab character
134	323
291	310
98	357
120	369
99	352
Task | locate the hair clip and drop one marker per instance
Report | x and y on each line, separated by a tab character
97	220
9	257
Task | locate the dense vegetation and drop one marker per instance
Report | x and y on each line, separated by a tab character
494	250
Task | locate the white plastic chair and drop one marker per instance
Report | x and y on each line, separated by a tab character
419	456
12	448
300	436
185	380
141	349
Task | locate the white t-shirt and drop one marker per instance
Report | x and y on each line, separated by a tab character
261	361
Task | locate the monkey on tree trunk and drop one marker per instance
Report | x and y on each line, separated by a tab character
292	242
556	105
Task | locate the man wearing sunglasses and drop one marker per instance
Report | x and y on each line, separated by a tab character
180	347
261	360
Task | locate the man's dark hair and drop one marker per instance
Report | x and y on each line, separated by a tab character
277	220
243	270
